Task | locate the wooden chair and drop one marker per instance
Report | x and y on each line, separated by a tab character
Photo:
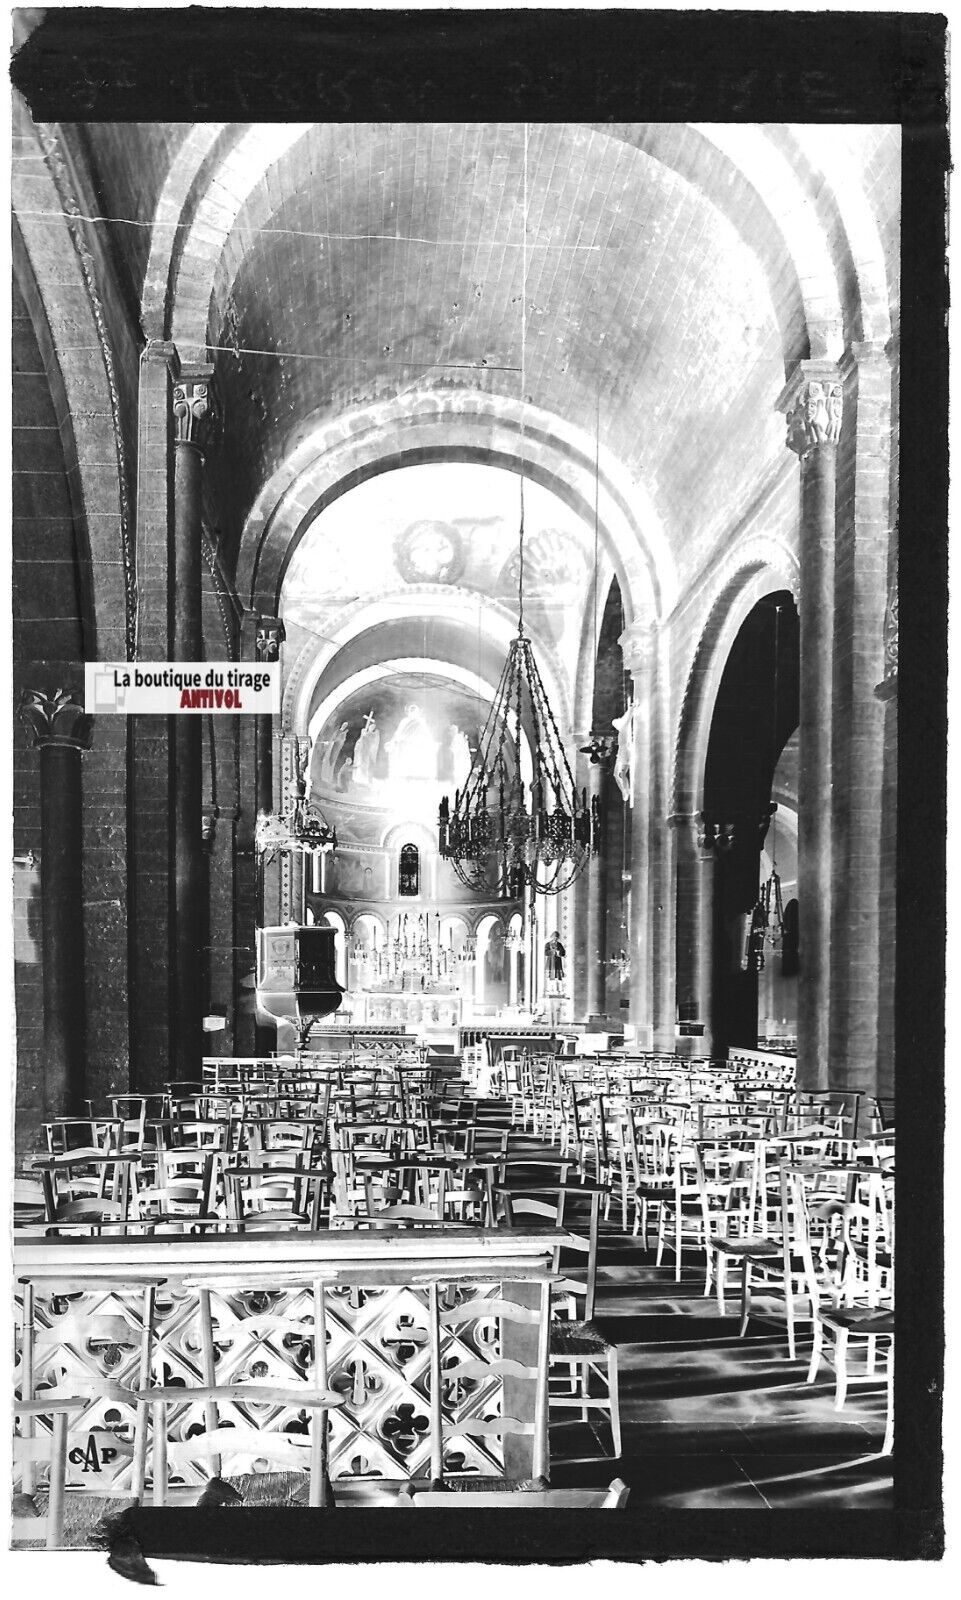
275	1190
184	1186
734	1219
857	1302
506	1368
654	1145
579	1354
247	1436
813	1199
30	1526
127	1353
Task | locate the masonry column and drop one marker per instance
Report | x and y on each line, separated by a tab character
637	646
191	408
61	732
595	922
698	840
860	982
811	402
887	692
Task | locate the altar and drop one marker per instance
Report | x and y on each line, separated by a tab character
404	1008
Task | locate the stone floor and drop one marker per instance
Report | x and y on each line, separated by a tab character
710	1420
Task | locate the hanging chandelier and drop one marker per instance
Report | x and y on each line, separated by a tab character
536	834
310	833
767	918
767	921
299	827
540	833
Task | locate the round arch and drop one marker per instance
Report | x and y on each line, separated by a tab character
463	425
60	289
762	569
319	659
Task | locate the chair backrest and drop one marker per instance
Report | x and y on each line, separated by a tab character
95	1136
868	1235
479	1426
728	1183
29	1447
177	1165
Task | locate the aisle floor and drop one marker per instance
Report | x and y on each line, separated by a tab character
711	1420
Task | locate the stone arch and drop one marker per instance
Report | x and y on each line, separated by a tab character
465	425
27	284
426	602
79	363
765	571
846	217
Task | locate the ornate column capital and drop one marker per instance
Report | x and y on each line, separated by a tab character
55	719
709	836
812	403
269	636
637	646
193	406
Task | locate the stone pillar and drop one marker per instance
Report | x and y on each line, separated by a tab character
578	950
887	692
61	732
651	982
812	402
699	838
860	983
249	1037
595	920
150	762
191	409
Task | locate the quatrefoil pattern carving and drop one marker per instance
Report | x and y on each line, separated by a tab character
378	1358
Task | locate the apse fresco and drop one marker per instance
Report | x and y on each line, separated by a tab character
446	524
403	730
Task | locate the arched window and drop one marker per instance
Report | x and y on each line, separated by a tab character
409	870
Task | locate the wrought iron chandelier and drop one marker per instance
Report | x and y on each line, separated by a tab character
298	827
767	918
310	833
538	834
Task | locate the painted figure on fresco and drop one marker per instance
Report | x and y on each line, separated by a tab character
331	755
412	751
365	752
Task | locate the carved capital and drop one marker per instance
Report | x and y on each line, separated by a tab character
708	836
712	837
193	409
812	404
270	636
55	719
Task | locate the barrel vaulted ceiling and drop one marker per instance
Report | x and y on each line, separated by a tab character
375	261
